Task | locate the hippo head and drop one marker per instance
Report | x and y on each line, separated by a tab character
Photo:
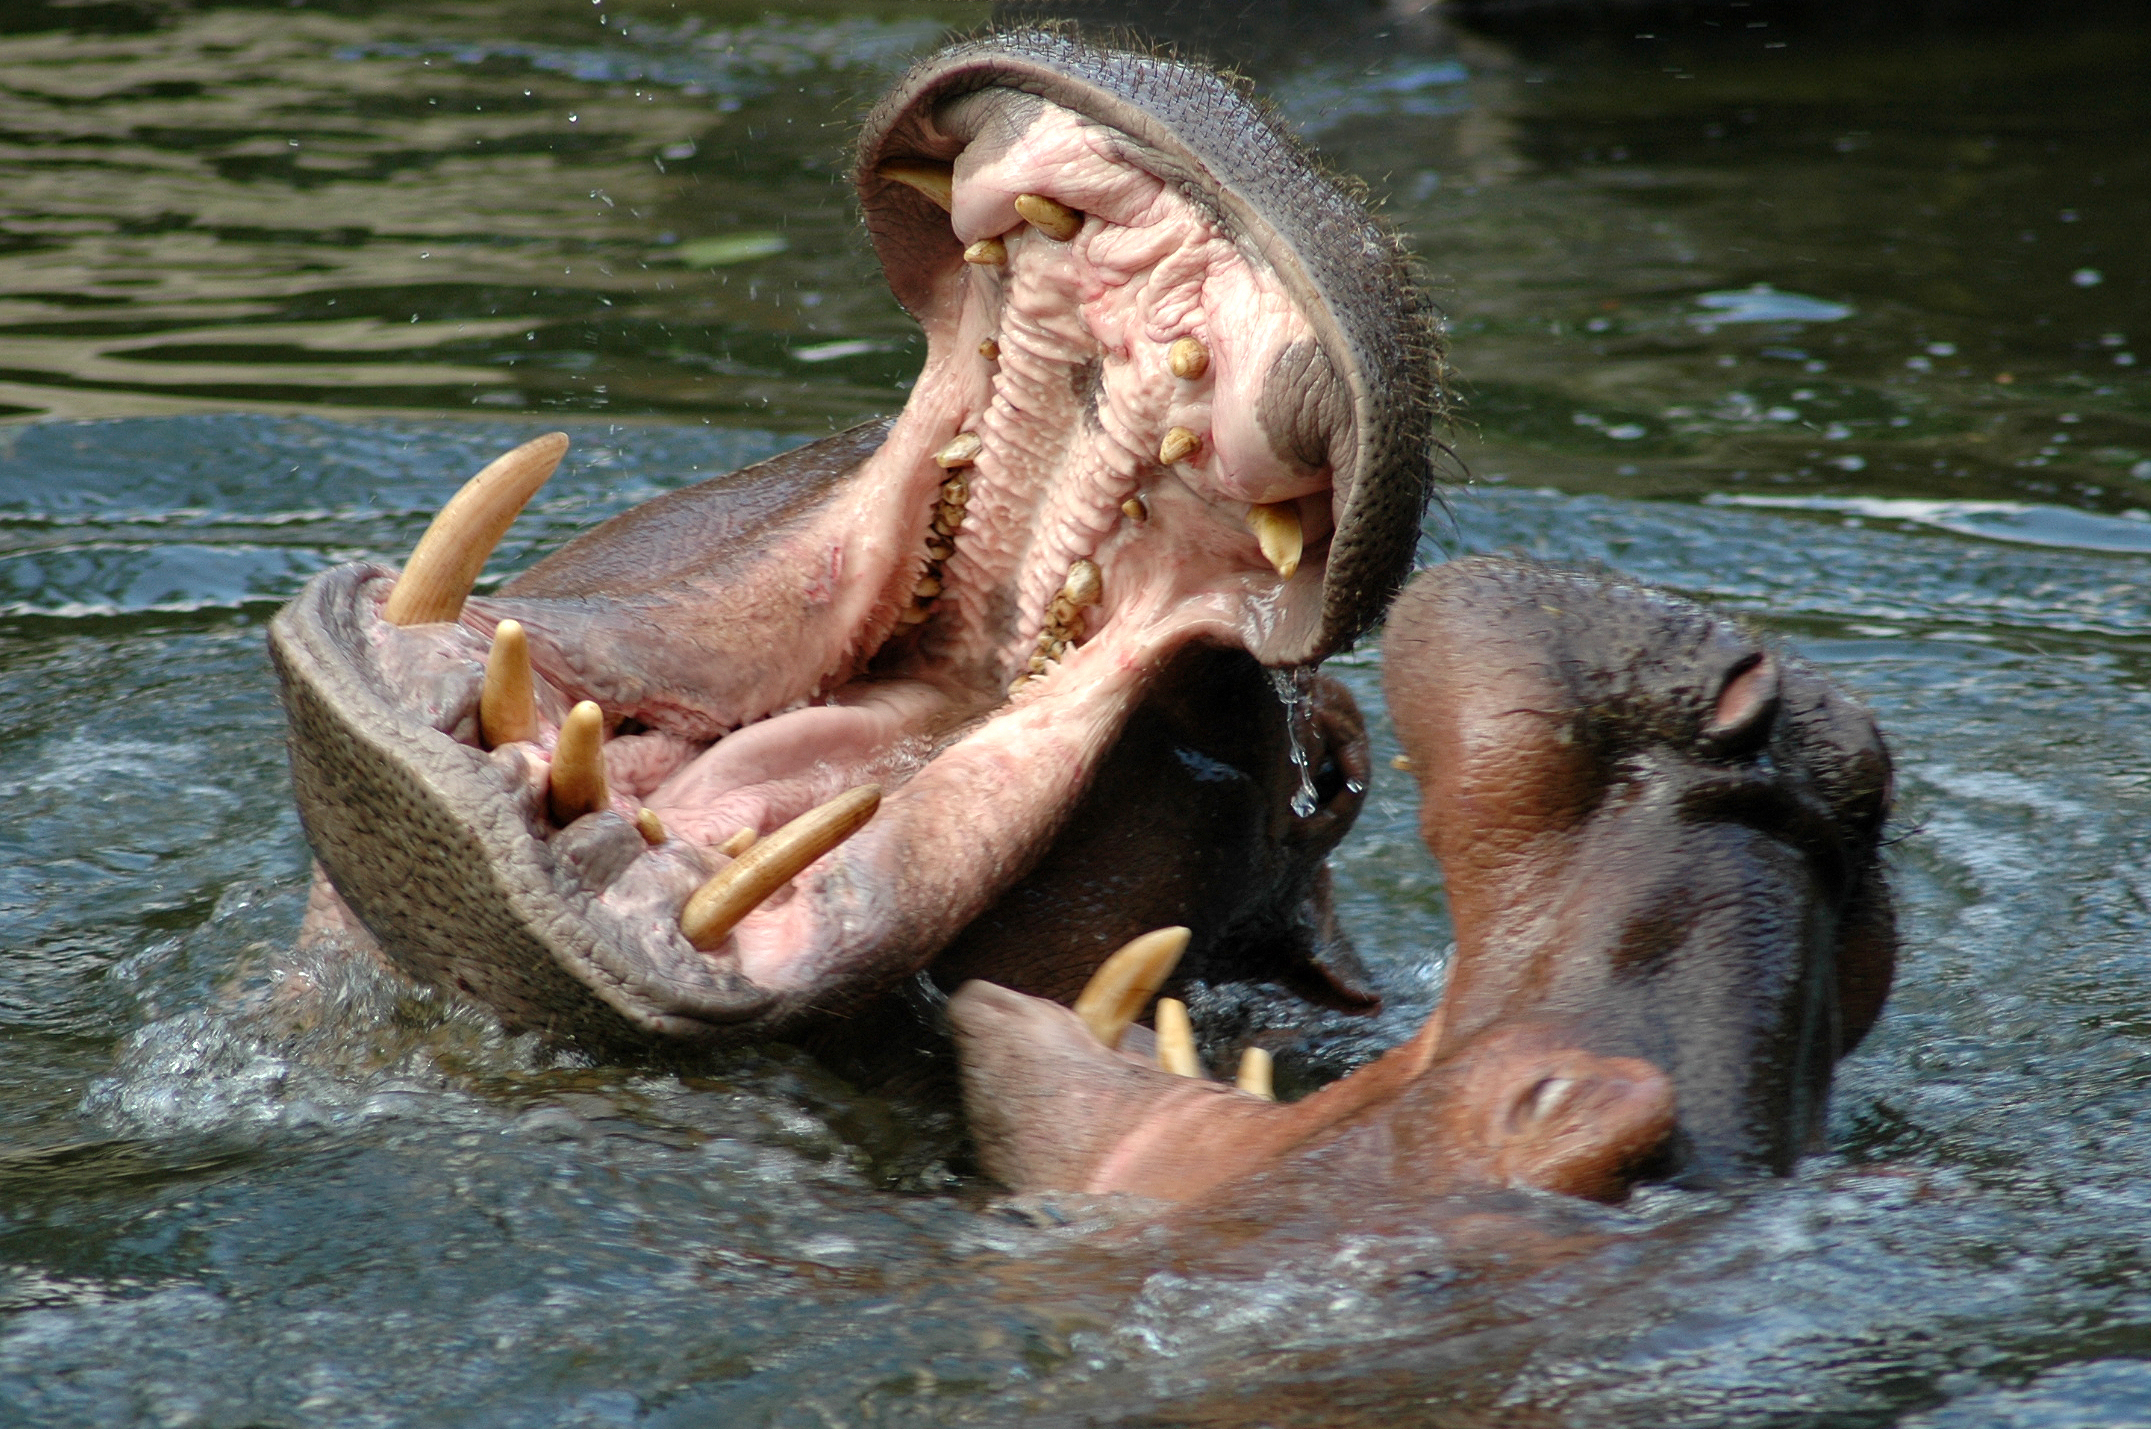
1656	829
1178	393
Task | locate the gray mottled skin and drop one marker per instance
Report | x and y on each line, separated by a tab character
435	846
1191	127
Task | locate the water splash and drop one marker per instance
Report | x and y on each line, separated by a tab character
1291	686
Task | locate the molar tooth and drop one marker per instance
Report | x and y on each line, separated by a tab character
987	252
651	827
961	452
913	615
578	779
508	702
1135	509
1176	1038
1255	1078
742	839
1188	358
1178	446
990	350
927	588
1276	525
741	886
445	565
956	491
931	177
1054	219
1116	992
1085	584
951	518
939	550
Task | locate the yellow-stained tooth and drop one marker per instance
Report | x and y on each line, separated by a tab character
1188	358
1276	525
960	452
508	701
742	839
578	778
1255	1078
1179	445
929	176
1054	219
988	252
1085	585
1176	1038
1135	509
1125	982
990	350
771	862
651	827
439	576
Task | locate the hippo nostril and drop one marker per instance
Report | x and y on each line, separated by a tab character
1547	1096
1747	704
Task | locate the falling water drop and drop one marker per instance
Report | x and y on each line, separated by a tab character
1291	687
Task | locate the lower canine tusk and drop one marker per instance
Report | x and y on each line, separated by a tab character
1179	444
1054	219
1254	1078
1176	1039
771	862
1124	982
508	702
578	775
930	177
1276	525
439	576
987	252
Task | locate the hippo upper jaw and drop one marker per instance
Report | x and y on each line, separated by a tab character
1146	419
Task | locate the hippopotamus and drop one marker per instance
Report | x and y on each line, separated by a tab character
1661	839
745	758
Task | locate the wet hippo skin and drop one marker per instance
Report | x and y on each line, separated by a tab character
1174	425
1660	838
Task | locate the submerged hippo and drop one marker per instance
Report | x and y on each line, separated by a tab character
1661	843
747	755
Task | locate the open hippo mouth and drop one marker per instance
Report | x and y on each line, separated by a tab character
1178	389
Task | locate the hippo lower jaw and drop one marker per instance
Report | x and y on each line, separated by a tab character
1140	424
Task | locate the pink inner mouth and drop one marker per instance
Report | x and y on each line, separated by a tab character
862	644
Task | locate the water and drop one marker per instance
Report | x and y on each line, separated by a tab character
1734	307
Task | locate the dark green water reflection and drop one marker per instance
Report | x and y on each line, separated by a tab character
1831	319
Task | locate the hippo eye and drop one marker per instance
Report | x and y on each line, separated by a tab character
1329	781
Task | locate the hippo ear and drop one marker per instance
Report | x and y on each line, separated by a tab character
1747	705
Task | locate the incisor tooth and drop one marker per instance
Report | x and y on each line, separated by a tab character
651	827
988	252
1125	982
1276	525
742	839
508	702
1255	1078
1188	358
929	176
1054	219
773	861
1176	1038
1135	509
961	451
990	350
1179	445
578	780
439	576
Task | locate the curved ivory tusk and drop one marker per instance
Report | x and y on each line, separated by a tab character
1276	526
439	576
1051	217
508	702
771	862
1176	1038
931	177
578	773
1124	982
